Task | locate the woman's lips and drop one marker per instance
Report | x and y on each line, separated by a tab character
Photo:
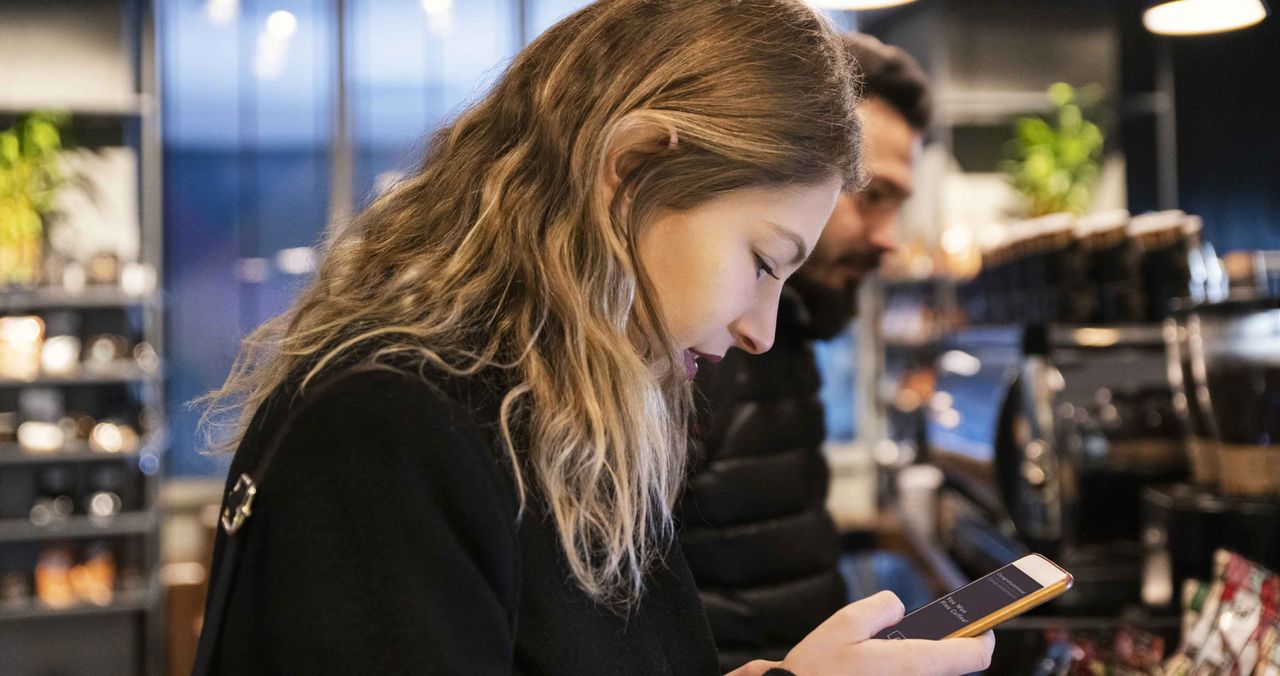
690	363
691	358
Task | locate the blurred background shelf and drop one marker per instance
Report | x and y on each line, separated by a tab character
1102	336
123	374
122	603
13	301
13	454
123	106
80	527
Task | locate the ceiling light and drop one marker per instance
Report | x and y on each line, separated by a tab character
1198	17
221	11
435	7
281	25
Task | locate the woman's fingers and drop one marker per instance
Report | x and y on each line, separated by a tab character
949	657
988	639
861	620
843	644
753	668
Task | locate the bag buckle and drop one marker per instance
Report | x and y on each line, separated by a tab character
239	504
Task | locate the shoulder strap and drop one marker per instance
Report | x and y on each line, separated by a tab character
238	507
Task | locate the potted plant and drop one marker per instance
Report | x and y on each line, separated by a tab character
30	175
1056	159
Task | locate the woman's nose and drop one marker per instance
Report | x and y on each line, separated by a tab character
754	332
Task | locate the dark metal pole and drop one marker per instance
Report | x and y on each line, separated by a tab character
1166	128
341	167
522	21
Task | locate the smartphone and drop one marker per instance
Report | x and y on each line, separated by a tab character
986	602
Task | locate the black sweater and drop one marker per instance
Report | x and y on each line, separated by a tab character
756	531
385	540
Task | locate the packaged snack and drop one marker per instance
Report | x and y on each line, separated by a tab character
1230	632
1123	652
94	579
1269	653
1269	633
1194	595
1184	661
53	577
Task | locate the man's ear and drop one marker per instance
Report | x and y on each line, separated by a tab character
631	142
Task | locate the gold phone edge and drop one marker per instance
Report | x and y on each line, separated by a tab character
1014	609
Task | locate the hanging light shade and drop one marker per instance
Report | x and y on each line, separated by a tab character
1198	17
857	4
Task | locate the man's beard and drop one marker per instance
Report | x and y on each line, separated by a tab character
832	305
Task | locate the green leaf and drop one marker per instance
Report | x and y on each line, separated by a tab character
1054	161
1061	93
30	169
1033	131
1071	118
9	150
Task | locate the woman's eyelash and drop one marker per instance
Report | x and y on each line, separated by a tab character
762	266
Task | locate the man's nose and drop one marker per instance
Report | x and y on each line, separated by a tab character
884	236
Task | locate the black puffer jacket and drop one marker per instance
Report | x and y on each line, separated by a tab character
755	529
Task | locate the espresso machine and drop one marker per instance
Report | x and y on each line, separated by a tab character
1103	401
1129	453
1224	365
1047	436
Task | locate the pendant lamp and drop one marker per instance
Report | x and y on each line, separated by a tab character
1199	17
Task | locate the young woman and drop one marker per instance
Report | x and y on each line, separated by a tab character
476	413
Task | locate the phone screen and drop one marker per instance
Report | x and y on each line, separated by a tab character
964	606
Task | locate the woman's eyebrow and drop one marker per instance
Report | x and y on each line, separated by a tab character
787	234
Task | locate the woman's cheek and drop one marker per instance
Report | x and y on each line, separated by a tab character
742	299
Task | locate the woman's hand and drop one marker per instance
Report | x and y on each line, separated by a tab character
843	645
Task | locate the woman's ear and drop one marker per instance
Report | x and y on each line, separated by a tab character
628	145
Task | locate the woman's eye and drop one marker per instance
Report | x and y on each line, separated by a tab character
763	268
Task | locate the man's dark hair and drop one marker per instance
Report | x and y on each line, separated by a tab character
893	76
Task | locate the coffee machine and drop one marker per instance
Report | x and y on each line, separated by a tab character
1224	365
1071	416
1047	435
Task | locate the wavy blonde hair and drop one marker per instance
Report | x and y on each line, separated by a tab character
503	251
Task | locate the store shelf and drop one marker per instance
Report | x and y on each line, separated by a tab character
31	300
13	454
1085	336
122	603
972	107
126	106
79	527
116	112
1106	336
121	374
